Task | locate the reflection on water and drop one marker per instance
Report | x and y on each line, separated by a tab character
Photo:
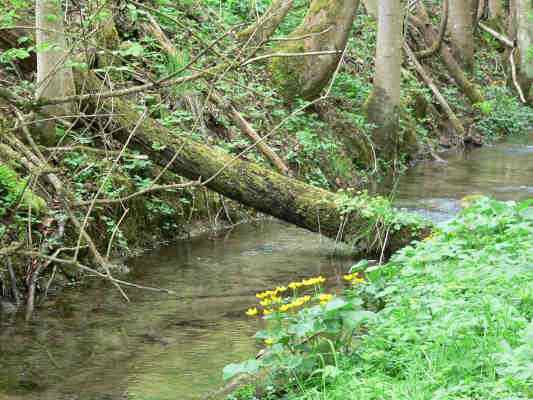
90	344
504	171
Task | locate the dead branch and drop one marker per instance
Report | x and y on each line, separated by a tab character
247	129
440	98
502	38
154	28
515	78
304	54
154	188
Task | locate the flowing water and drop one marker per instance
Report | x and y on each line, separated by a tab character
90	344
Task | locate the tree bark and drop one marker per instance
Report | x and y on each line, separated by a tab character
524	39
495	8
383	104
252	185
54	79
460	26
326	27
423	22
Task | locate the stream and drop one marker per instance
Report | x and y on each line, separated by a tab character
90	344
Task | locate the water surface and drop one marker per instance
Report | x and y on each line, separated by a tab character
90	344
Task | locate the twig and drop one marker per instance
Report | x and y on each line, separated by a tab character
249	131
304	54
113	234
502	38
93	271
150	189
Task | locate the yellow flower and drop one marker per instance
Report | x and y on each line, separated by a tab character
251	312
280	289
266	311
285	307
295	285
357	280
349	277
265	302
269	342
325	298
275	299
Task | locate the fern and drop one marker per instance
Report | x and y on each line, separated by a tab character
14	189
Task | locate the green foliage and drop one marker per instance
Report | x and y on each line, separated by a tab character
14	190
305	331
455	319
503	114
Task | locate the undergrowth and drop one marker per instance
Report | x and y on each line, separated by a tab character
450	318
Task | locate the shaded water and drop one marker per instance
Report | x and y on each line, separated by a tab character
89	344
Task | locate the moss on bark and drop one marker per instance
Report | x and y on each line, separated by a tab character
253	185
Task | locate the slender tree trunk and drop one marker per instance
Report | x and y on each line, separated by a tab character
524	39
460	26
384	102
495	8
325	28
54	78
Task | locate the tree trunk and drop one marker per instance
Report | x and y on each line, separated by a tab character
460	26
255	186
54	79
371	7
384	102
430	36
265	27
325	28
495	8
524	38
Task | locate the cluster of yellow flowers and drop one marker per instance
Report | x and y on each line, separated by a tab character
354	279
307	282
271	293
272	298
324	298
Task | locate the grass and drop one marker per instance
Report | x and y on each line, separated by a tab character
456	321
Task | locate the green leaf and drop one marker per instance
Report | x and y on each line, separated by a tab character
249	367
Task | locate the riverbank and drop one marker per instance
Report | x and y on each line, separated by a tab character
454	319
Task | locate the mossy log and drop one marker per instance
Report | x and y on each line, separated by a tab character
252	185
325	28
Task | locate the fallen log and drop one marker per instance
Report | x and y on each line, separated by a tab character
370	224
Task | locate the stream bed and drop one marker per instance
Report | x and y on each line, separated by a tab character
90	344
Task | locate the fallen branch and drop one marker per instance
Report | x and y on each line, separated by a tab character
502	38
515	78
440	98
304	54
249	131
